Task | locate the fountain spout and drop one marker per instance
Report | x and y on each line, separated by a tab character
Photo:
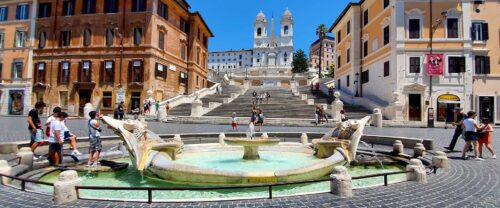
251	146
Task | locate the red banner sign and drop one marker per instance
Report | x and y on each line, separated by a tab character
435	65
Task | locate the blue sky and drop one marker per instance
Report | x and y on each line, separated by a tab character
231	21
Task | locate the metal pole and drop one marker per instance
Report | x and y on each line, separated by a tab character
430	122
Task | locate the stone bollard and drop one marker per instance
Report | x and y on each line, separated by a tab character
177	137
26	156
264	136
377	118
222	136
197	108
64	187
418	173
397	148
341	185
418	150
6	170
304	139
162	114
440	160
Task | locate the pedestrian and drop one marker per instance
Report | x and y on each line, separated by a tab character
220	89
253	121
95	145
260	119
136	111
145	107
51	118
35	127
316	115
458	130
56	140
254	97
268	96
68	136
317	86
470	133
234	121
343	117
217	90
121	111
485	138
167	107
157	106
323	114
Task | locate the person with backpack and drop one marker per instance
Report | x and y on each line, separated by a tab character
35	127
95	145
56	139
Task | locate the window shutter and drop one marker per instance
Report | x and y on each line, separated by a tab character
472	32
487	65
461	64
485	31
18	14
130	75
103	72
35	73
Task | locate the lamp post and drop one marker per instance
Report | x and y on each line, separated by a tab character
357	85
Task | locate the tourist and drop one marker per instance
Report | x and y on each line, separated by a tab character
253	121
268	96
260	120
323	114
234	121
121	110
343	117
135	112
254	97
316	115
485	138
219	89
95	145
157	106
167	107
317	86
55	112
458	130
35	127
470	133
68	136
56	140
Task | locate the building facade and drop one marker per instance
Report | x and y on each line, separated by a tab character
386	49
16	44
328	54
223	61
109	51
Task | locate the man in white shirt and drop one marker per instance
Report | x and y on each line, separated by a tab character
56	140
68	136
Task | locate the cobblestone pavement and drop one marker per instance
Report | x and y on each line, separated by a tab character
466	184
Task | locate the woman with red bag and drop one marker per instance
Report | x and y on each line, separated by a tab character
485	138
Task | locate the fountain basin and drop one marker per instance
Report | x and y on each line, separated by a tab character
251	146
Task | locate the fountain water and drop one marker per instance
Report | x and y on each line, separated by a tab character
375	154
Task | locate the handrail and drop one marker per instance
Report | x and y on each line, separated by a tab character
24	181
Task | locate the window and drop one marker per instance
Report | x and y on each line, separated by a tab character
63	99
20	39
161	40
161	71
415	65
339	59
338	83
135	71
365	77
138	5
259	31
365	17
85	74
1	66
365	48
386	35
22	12
137	36
88	7
64	70
2	38
68	8
456	64
108	72
339	36
452	27
4	13
386	3
107	99
348	55
17	70
348	81
163	10
386	68
42	39
348	28
482	64
65	39
414	28
39	76
285	30
110	6
184	26
479	31
110	36
44	10
87	35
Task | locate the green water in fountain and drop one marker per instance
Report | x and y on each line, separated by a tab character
130	177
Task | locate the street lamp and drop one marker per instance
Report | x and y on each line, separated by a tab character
357	85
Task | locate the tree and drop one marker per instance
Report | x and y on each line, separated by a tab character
321	33
331	71
299	62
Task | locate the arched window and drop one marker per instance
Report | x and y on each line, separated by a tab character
285	30
259	31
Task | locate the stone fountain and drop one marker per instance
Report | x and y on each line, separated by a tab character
251	146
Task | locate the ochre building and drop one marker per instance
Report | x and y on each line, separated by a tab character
107	51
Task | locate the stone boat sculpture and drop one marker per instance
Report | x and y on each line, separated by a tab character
157	156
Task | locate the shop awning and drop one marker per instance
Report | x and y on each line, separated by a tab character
449	99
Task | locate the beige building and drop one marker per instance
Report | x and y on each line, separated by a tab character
16	51
328	55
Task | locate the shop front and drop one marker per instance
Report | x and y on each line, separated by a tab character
446	104
487	108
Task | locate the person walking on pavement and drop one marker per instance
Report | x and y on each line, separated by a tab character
458	130
485	138
471	126
35	127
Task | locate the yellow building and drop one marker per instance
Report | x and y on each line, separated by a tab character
382	49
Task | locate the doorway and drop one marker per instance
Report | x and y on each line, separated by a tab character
84	98
414	107
486	107
135	100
